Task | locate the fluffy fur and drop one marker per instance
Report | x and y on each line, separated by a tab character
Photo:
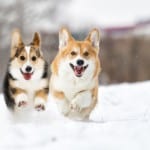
75	71
26	80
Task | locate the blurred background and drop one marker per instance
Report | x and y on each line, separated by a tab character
124	25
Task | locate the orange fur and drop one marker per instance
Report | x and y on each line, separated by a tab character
17	91
84	46
59	95
42	94
86	49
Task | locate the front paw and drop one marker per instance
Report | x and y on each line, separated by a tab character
75	107
39	104
21	101
40	107
22	104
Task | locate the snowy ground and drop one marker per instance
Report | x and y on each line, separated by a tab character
121	121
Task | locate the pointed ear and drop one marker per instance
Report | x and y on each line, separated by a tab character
64	38
16	39
36	39
16	42
94	38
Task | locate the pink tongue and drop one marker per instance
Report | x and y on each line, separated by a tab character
27	76
78	69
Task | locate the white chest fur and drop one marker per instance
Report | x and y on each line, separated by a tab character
72	86
67	82
31	86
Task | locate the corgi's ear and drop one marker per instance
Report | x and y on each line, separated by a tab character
16	42
94	38
64	38
16	39
36	39
37	42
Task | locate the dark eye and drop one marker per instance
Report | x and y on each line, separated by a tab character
86	54
34	58
22	58
73	53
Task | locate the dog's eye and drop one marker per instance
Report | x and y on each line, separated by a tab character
73	53
86	54
22	58
34	58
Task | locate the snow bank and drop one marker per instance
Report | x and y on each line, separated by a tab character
121	121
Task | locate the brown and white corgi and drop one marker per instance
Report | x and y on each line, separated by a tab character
75	71
26	80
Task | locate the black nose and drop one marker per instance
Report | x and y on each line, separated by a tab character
80	62
28	69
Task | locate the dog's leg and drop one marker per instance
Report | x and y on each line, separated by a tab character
82	100
85	113
20	97
40	99
61	102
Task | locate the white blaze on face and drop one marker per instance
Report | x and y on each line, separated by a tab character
27	48
74	68
74	61
78	57
28	63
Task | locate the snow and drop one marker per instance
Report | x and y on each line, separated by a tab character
120	121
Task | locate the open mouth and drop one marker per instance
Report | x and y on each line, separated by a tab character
78	70
27	76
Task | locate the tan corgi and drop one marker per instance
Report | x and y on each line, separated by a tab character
75	71
26	80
